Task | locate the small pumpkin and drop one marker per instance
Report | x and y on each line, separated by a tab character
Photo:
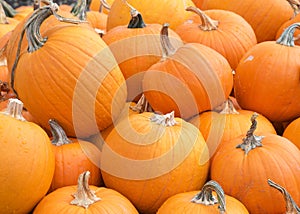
27	161
211	199
85	198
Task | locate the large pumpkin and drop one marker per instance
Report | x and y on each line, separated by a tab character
149	157
226	32
27	161
190	79
242	167
84	198
267	78
85	88
265	17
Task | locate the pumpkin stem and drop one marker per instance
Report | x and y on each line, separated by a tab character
207	23
104	4
79	9
136	20
84	196
227	108
206	197
295	4
142	105
287	36
8	10
251	141
3	18
291	206
14	109
167	48
166	120
59	136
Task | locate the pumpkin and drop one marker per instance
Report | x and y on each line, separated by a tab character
218	127
287	24
27	161
137	55
292	132
267	78
190	79
263	16
102	6
205	201
7	24
226	32
86	86
243	165
72	158
154	12
146	155
85	198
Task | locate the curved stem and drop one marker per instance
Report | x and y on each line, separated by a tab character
59	136
291	206
84	196
104	4
167	48
136	20
206	197
3	19
287	36
142	105
228	107
79	9
14	109
9	10
207	23
251	141
165	120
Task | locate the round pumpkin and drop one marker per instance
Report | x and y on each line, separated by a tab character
27	161
243	165
226	32
147	155
267	78
102	6
292	132
85	198
211	200
86	87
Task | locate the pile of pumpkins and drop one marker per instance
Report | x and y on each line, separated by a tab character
150	107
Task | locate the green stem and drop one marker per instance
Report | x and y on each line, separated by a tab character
291	206
59	136
207	23
251	141
206	197
287	36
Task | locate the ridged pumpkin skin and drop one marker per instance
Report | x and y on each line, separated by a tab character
194	79
263	16
154	12
148	162
232	38
181	203
267	81
244	177
292	132
85	88
27	165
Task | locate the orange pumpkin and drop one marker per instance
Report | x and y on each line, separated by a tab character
72	158
292	132
146	155
243	165
137	55
263	16
205	201
287	24
226	32
27	161
7	24
85	198
78	79
190	79
267	78
102	6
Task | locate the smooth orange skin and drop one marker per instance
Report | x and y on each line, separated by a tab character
261	15
97	20
232	38
111	202
244	177
181	203
27	165
5	28
288	23
292	132
267	81
95	6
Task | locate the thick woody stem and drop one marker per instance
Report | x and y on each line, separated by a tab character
287	36
165	120
228	107
59	136
167	48
142	105
251	141
14	109
206	197
291	206
9	11
79	9
207	23
84	196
